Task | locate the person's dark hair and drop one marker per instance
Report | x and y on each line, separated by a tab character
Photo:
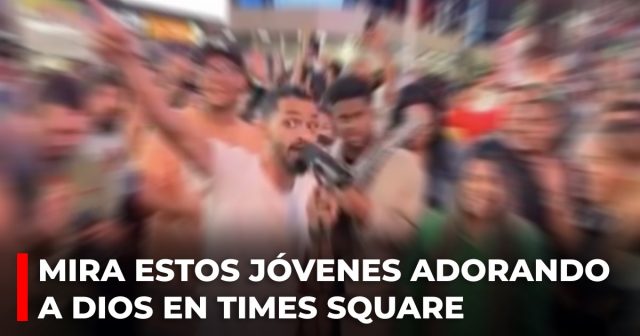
335	68
324	109
428	90
10	48
377	80
622	138
487	151
269	104
431	91
60	89
623	106
347	87
105	78
495	156
222	48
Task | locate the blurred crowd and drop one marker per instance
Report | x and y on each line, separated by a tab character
205	153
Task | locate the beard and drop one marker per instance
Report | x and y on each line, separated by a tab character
299	166
325	140
292	159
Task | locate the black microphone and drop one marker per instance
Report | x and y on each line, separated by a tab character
327	170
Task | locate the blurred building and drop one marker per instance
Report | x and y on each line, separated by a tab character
57	32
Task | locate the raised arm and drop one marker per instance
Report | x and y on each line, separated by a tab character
297	75
117	46
377	43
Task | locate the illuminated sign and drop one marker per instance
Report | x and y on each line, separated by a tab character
169	29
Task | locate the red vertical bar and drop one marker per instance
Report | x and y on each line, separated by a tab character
22	287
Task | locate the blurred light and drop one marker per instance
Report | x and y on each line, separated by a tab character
207	9
347	53
47	27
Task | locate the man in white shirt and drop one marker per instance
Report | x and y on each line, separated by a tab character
246	195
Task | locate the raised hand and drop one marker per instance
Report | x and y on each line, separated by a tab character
116	45
113	41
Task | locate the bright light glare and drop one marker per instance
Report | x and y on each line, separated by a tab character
217	9
347	53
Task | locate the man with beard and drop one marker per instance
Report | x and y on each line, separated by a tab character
388	201
251	203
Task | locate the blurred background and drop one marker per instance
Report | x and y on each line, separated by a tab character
426	34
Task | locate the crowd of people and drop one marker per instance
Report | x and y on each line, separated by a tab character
204	156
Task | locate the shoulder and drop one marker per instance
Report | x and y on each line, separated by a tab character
402	165
531	240
232	156
254	137
404	158
156	153
432	221
431	228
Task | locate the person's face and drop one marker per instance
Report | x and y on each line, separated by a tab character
63	130
292	126
424	114
482	189
603	174
354	122
326	129
532	128
223	82
106	102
